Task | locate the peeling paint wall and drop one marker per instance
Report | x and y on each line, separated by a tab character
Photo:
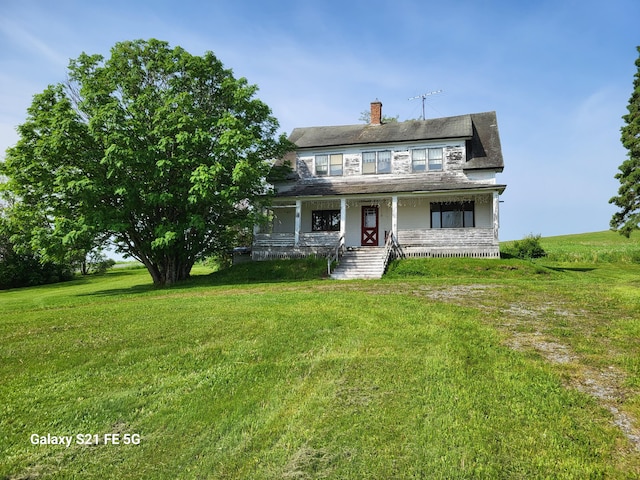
352	162
401	164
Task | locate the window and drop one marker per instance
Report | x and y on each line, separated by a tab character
322	162
336	164
418	160
329	164
369	162
435	159
426	159
452	215
325	220
376	162
384	161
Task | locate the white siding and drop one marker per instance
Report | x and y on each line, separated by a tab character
454	155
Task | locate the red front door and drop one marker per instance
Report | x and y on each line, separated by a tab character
369	227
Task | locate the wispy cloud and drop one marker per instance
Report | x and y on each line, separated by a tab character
24	39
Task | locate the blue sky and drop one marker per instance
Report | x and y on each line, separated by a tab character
558	73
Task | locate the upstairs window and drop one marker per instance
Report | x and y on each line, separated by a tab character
322	165
329	165
452	215
325	220
384	162
419	159
336	164
369	162
435	159
426	159
376	162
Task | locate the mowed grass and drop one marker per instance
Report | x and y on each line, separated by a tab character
262	372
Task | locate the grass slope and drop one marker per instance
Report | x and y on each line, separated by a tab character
455	368
597	247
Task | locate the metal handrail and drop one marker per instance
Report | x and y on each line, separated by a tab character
337	253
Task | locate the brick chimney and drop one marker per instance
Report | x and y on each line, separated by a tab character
376	113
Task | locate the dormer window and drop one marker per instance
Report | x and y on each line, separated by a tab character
435	159
376	162
322	165
336	164
426	159
329	165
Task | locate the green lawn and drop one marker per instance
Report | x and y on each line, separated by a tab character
451	368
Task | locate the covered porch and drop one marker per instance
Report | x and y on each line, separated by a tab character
425	225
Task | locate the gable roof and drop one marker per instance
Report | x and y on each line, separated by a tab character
480	129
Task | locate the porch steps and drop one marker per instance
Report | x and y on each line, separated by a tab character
360	263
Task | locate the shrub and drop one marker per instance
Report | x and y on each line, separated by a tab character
26	270
527	248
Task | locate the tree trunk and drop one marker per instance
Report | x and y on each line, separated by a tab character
165	270
154	271
171	270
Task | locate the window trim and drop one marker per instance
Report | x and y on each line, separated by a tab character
377	162
328	163
426	162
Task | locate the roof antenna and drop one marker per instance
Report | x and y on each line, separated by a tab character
424	97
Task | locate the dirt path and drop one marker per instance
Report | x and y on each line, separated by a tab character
526	326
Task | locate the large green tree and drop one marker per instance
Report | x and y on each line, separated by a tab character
163	151
627	219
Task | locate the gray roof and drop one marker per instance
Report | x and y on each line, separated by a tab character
480	129
410	184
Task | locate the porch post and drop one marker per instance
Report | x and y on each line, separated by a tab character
496	215
256	227
394	216
343	219
296	234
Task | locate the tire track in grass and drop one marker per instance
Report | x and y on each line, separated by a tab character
523	322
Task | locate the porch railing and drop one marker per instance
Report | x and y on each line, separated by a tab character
450	242
392	249
426	242
336	254
305	239
439	237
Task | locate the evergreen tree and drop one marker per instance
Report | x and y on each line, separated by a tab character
628	199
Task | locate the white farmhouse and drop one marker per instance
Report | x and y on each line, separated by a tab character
427	186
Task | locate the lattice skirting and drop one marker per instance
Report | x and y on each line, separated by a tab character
422	252
288	253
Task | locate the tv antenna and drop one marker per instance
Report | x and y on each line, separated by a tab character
424	97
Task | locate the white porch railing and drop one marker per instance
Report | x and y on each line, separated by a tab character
443	237
335	255
273	240
267	246
310	239
392	249
428	242
450	242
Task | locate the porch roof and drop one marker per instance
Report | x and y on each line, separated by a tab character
380	186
